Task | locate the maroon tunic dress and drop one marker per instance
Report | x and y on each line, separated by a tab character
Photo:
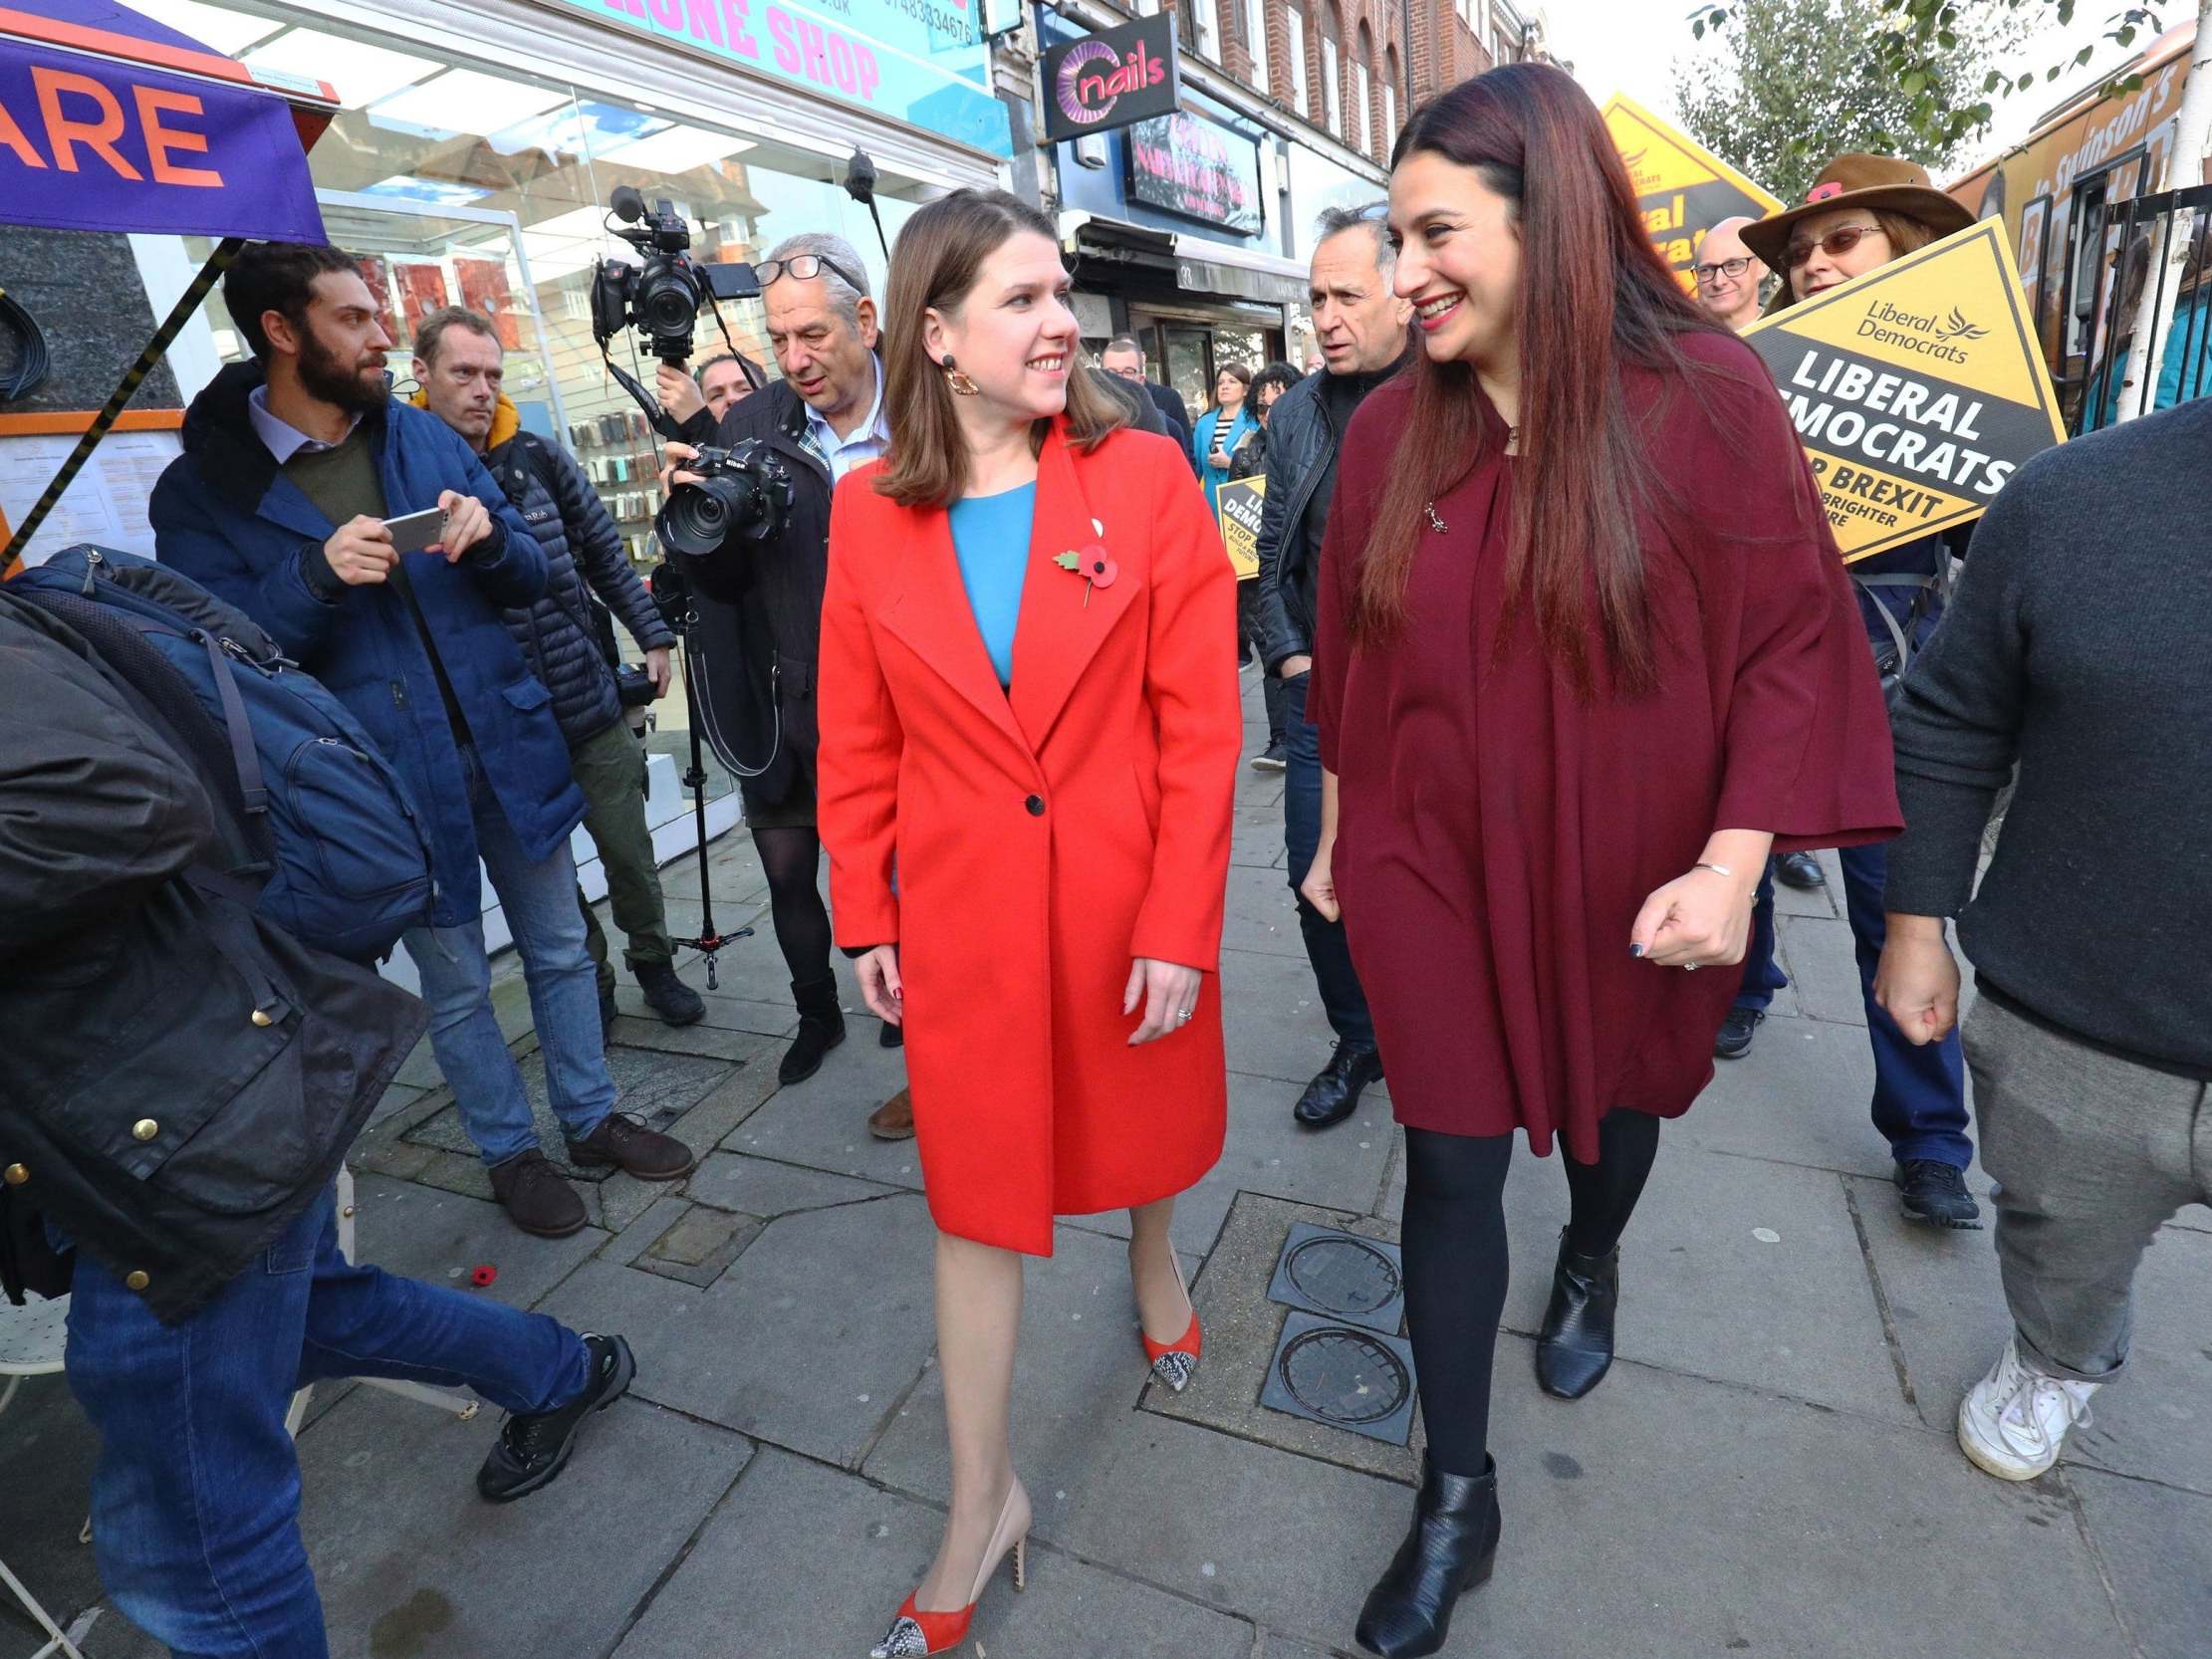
1497	834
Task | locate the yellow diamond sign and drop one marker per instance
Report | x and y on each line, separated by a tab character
1682	188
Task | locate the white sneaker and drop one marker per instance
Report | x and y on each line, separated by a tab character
2013	1422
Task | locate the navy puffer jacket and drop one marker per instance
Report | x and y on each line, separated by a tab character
584	555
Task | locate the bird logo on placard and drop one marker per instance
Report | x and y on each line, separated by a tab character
1958	328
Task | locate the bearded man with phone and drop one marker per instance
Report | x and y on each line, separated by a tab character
292	463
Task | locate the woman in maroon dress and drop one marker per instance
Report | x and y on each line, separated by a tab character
1564	720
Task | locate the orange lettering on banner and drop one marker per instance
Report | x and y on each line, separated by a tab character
64	135
153	103
12	136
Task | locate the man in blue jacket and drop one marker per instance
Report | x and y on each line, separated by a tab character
292	465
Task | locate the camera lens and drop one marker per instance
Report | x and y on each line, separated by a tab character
699	516
667	306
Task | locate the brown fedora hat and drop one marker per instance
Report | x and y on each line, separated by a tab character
1868	181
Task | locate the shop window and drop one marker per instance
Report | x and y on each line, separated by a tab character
1293	44
472	184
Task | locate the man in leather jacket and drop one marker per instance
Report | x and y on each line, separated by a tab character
179	1082
758	605
1362	327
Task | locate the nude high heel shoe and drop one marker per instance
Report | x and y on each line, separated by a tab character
915	1633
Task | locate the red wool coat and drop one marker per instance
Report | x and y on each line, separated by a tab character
1043	837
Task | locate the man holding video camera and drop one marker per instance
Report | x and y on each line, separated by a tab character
459	365
296	467
759	598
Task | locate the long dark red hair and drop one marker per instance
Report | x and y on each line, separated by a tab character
1594	298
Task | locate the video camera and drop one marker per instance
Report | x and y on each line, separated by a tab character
661	298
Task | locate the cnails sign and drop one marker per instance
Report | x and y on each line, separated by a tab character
1111	79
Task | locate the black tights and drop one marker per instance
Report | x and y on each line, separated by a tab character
792	858
1456	1261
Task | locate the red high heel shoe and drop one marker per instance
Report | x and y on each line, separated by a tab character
1176	1362
915	1633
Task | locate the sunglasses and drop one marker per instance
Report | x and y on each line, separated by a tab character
1835	244
805	268
1726	268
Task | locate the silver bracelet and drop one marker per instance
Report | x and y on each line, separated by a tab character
1717	869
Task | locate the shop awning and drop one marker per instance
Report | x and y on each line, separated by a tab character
1194	264
110	121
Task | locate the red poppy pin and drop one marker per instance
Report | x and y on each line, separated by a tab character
1093	564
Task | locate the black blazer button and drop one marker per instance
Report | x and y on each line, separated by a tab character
1035	806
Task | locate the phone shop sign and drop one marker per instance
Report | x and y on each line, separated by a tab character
923	62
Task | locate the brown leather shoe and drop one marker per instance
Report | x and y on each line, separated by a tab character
625	1142
894	1118
537	1197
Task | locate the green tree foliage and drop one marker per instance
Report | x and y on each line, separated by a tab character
1915	44
1790	84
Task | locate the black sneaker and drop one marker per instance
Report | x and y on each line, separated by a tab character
1271	758
1734	1041
1935	1192
531	1449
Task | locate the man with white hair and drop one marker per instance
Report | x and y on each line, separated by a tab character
759	604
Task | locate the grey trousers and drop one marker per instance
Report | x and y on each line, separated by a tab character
2092	1154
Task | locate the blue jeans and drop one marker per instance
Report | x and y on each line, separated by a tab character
1326	948
196	1495
1919	1092
1763	975
539	900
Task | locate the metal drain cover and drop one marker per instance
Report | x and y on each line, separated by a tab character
1344	1377
1348	1278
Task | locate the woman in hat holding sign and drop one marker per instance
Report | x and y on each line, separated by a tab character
1863	212
1567	709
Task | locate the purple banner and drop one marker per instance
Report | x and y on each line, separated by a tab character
91	144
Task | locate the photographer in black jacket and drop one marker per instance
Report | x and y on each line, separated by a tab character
179	1082
758	636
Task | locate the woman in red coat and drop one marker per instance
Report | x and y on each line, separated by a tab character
1029	741
1585	655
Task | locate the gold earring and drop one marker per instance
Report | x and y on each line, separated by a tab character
958	380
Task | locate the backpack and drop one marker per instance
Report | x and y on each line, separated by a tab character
341	856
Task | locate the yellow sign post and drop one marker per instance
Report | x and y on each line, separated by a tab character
1240	524
1918	389
1683	188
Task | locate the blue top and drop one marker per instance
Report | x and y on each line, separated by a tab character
990	537
1201	446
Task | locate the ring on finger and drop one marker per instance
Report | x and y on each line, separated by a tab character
1689	965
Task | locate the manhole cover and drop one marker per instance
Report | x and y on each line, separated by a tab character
1349	1278
1344	1377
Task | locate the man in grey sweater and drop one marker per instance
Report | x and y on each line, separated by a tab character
2075	648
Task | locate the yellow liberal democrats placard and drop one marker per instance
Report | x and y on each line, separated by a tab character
1240	524
1682	188
1916	388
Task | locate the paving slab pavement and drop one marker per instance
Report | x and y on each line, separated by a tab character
1769	1470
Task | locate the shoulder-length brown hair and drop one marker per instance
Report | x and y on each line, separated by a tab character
939	256
1594	298
1907	236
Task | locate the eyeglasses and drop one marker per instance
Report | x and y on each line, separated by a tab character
1835	244
1725	268
805	268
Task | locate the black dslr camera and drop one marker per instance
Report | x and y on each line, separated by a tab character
745	490
661	298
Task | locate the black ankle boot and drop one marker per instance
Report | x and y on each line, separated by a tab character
820	1029
1574	1350
1450	1550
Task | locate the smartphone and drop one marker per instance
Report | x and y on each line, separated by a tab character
413	532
